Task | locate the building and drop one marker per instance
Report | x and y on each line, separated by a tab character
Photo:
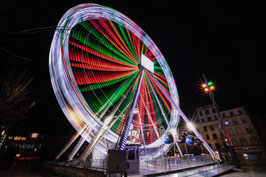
22	147
243	134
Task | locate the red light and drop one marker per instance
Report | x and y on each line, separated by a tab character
34	135
206	89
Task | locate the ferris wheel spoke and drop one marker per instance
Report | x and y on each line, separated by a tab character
166	102
118	93
123	140
124	40
117	38
105	127
85	78
101	28
128	40
104	54
159	104
107	83
150	119
105	41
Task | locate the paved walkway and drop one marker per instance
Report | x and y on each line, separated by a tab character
206	171
248	173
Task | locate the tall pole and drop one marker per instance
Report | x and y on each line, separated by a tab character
227	138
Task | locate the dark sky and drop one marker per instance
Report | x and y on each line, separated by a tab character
218	38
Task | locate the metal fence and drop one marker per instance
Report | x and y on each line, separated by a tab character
165	164
158	165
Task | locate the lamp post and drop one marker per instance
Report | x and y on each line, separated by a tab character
208	87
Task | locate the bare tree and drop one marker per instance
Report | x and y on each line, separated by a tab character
16	90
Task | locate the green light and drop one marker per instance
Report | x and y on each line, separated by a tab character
209	83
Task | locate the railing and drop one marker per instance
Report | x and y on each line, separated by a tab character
159	165
165	164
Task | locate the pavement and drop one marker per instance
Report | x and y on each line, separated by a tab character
31	169
248	173
23	169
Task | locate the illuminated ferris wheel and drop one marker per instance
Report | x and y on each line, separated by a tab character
112	82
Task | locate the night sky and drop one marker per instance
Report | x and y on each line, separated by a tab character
219	39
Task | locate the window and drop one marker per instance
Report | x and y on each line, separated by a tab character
213	110
202	120
205	129
210	145
238	130
235	122
249	130
200	113
226	123
223	115
244	120
207	137
211	127
217	145
214	136
219	126
209	119
207	112
222	135
240	111
231	113
215	117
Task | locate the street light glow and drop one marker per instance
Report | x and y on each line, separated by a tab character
204	85
190	126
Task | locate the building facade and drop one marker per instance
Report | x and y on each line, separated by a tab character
242	132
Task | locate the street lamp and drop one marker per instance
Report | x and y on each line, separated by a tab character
208	88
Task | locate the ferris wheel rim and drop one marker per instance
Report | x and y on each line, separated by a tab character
65	50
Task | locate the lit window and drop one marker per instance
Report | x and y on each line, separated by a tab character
226	123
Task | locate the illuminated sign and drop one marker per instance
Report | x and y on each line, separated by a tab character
147	63
34	135
17	138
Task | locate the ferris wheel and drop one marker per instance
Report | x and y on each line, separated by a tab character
112	82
